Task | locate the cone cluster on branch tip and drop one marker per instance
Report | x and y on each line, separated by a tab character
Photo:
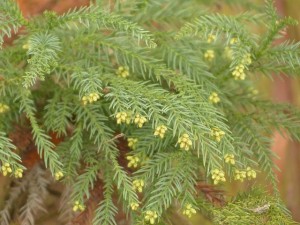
3	108
239	175
160	131
58	175
150	216
209	55
217	134
78	207
132	142
251	174
138	185
134	206
19	173
185	142
123	117
189	210
211	38
239	73
6	169
229	158
247	59
214	98
140	120
218	176
228	52
92	97
133	161
123	71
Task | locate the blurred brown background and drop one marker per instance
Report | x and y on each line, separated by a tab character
282	89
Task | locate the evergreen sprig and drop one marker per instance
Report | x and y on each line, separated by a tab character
145	101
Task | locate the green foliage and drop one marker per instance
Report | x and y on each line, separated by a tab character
98	79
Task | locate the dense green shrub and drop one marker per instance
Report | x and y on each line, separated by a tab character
153	100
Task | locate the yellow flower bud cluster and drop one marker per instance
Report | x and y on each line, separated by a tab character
58	175
3	108
78	207
239	73
134	206
217	134
123	71
218	176
247	59
189	210
209	55
138	185
228	53
19	173
6	169
132	142
123	117
151	216
92	97
214	98
239	175
133	161
140	120
25	46
185	142
252	93
211	38
229	158
251	174
160	131
233	41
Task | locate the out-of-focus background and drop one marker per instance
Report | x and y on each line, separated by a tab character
281	89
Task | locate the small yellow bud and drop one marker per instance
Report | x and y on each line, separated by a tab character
78	207
90	98
228	53
134	206
239	73
247	59
229	158
123	71
211	38
214	98
251	174
19	173
239	175
25	46
123	117
217	134
58	175
133	161
3	108
234	41
132	142
138	185
140	120
151	216
218	176
189	210
185	142
6	169
160	131
209	55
